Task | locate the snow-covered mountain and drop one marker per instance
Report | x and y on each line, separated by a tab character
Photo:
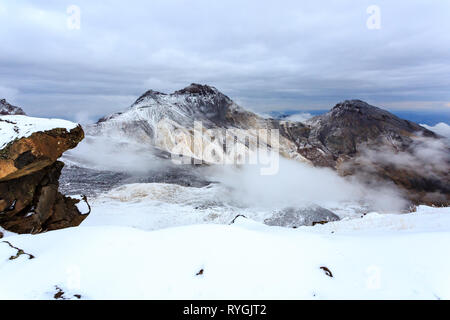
353	138
8	109
167	121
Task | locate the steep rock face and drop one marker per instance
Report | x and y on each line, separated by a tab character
29	174
8	109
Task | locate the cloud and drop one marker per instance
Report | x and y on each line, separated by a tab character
267	55
299	184
423	164
300	117
441	128
122	156
10	94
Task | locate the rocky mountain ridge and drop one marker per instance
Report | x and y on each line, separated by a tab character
8	109
338	139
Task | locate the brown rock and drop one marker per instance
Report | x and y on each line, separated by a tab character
27	155
29	182
34	205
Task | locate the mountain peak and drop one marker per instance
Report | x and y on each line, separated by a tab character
354	104
150	94
8	109
198	89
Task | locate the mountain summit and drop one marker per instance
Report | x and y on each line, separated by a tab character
351	123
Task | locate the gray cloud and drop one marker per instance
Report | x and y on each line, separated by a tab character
264	54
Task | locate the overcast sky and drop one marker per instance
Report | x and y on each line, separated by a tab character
266	55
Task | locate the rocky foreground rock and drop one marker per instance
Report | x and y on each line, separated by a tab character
29	174
354	138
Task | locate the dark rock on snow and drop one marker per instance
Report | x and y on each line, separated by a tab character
295	217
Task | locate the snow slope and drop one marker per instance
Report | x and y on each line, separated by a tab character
14	127
245	260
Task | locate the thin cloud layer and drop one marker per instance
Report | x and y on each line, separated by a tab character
266	55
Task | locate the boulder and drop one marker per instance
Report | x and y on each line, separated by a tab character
292	217
29	174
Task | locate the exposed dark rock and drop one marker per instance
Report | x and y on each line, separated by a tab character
238	216
19	253
353	122
296	217
200	273
8	109
327	271
198	89
38	206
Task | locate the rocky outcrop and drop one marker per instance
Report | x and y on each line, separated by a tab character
30	154
8	109
29	175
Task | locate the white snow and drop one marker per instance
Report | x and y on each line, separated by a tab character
246	260
155	206
129	248
441	128
17	126
82	206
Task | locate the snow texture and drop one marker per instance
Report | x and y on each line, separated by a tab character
14	127
375	257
